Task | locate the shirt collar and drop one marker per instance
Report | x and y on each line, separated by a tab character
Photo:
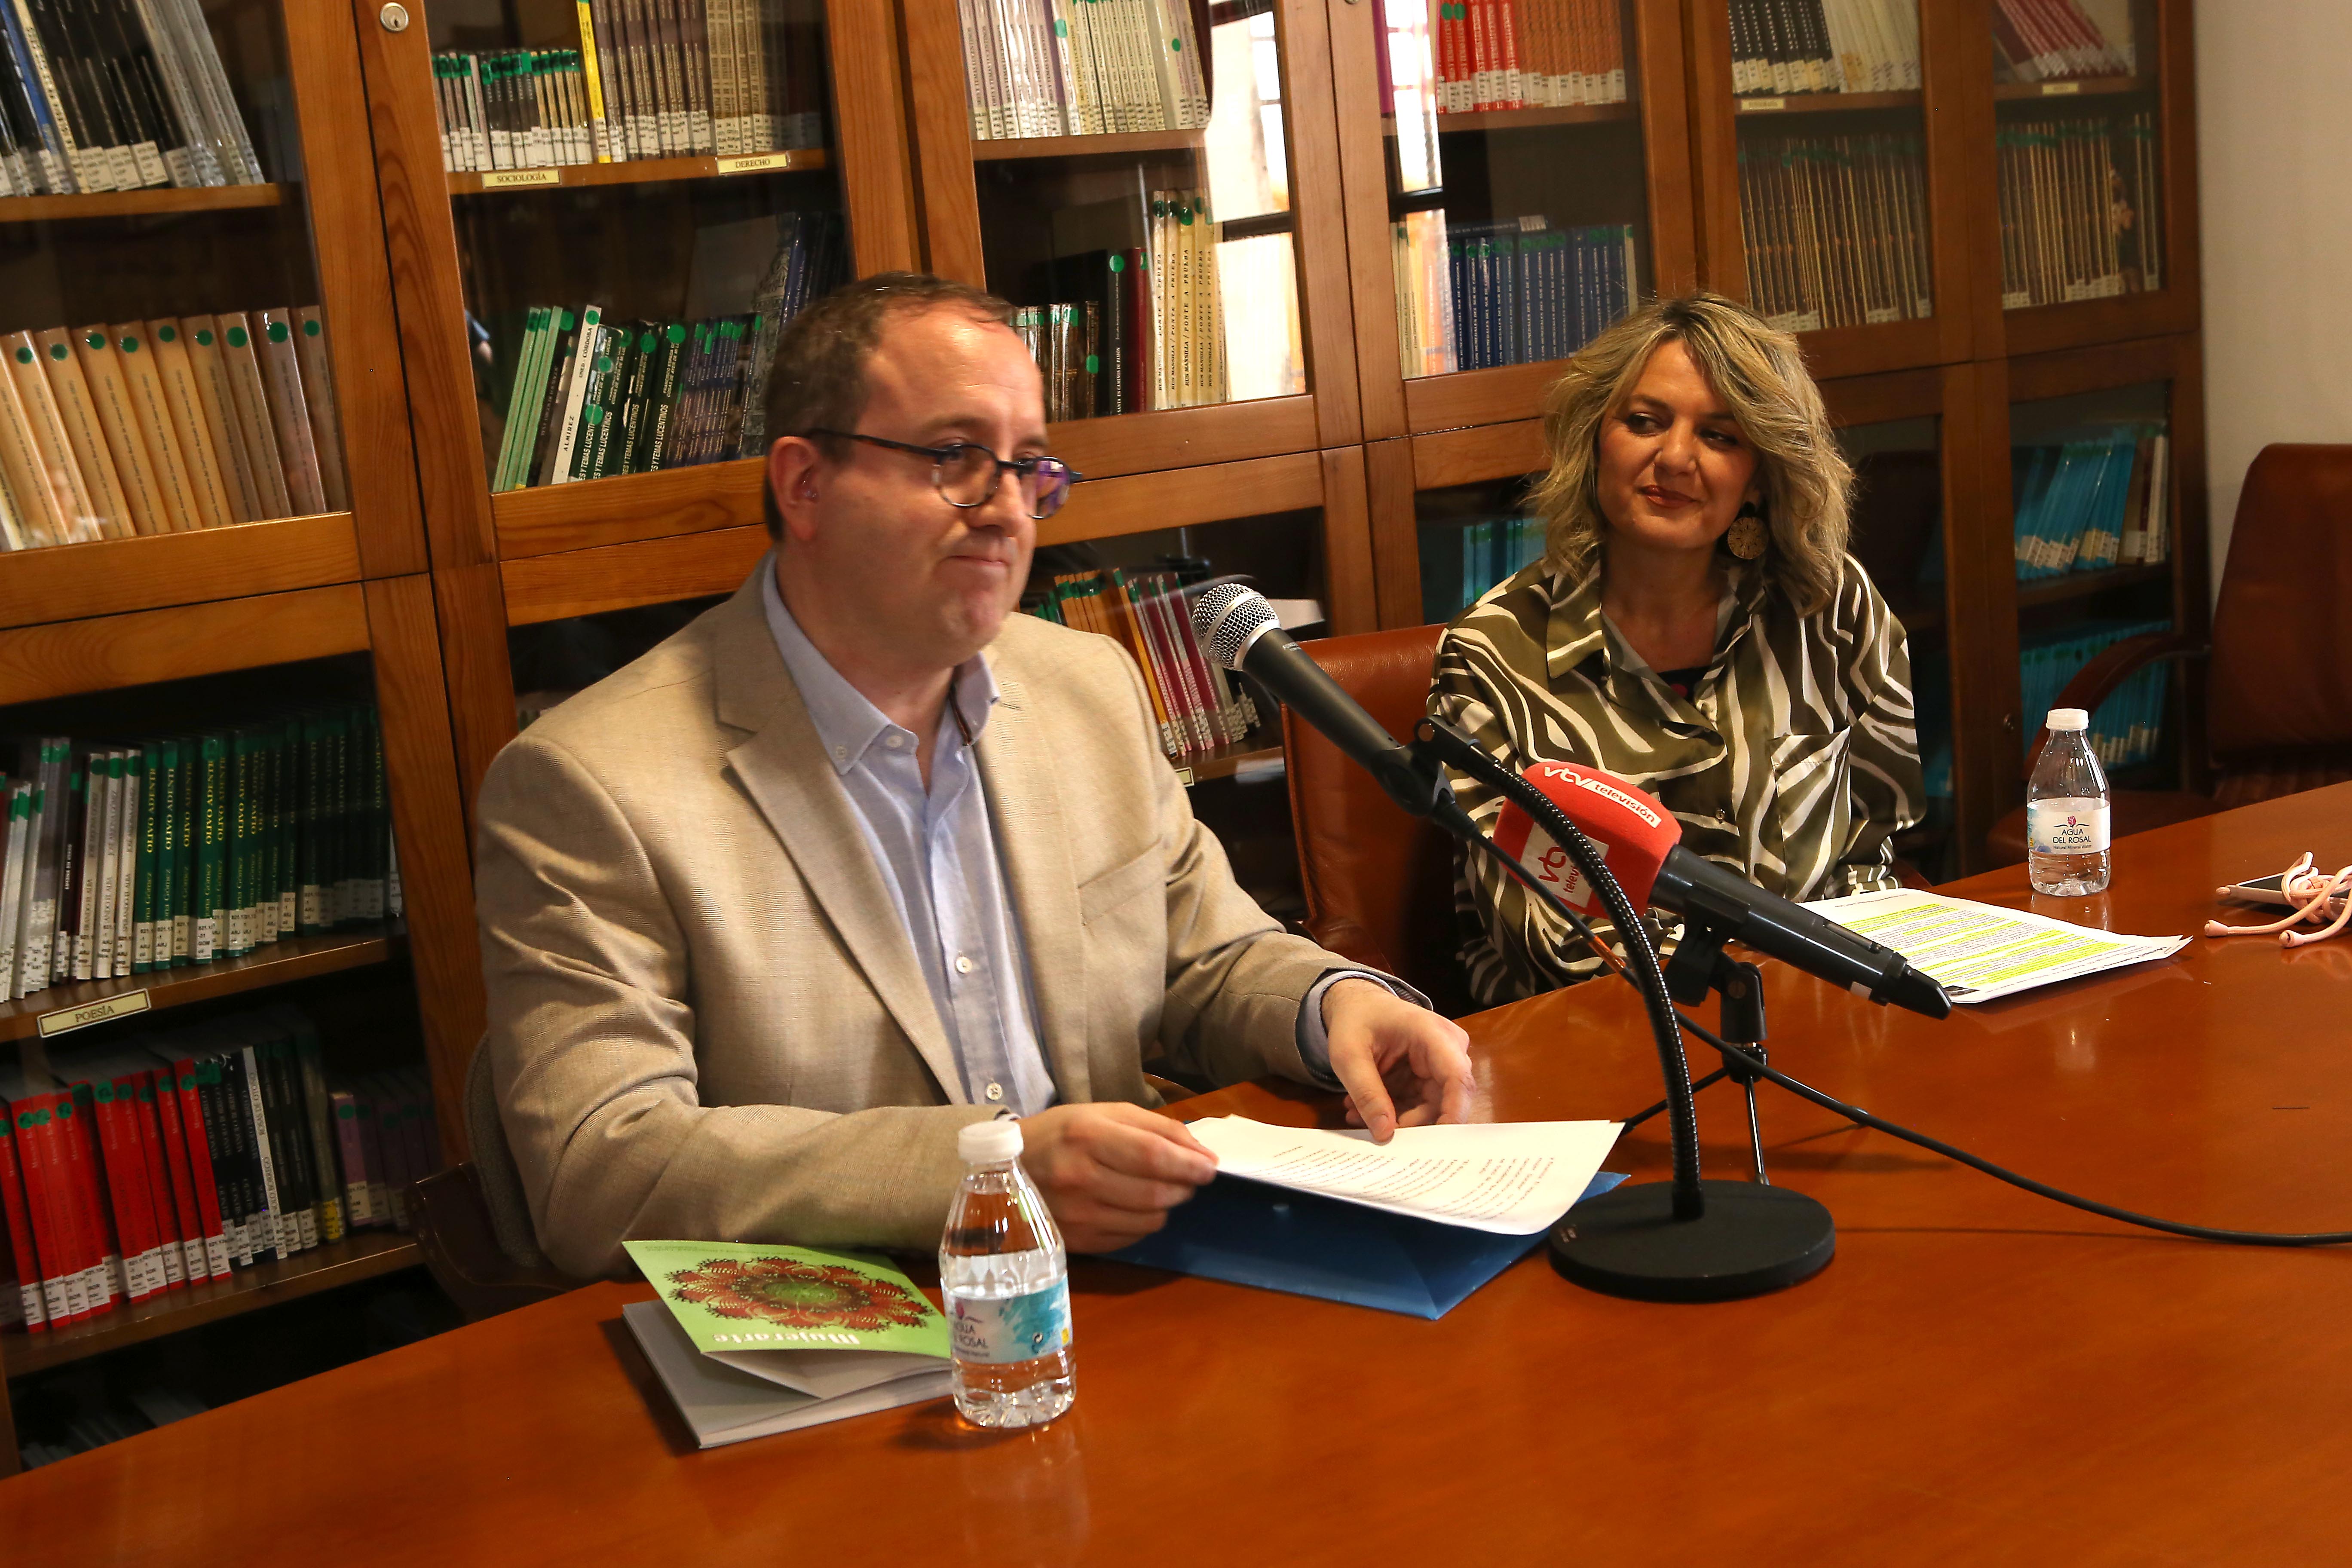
1577	629
845	721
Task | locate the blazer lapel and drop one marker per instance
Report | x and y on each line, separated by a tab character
1025	807
782	766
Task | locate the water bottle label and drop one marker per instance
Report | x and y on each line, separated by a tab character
1010	1327
2067	826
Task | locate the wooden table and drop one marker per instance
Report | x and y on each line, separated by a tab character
1980	1376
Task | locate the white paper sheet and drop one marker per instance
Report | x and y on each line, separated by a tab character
1509	1178
1980	952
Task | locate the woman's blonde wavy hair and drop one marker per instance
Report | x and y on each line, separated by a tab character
1762	380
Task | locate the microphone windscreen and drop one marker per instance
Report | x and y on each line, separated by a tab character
1630	828
1227	618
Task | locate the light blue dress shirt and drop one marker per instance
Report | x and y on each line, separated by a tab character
937	851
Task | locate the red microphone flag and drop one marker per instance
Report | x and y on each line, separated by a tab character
1630	829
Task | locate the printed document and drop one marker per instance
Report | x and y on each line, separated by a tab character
1509	1178
1980	952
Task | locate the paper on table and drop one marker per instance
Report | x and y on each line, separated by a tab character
1980	952
1509	1178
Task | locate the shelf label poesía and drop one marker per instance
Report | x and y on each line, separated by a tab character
65	1020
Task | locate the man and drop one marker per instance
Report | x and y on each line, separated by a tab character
861	856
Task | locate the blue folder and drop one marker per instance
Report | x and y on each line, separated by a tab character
1249	1233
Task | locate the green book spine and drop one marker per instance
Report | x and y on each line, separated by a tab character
659	443
519	410
310	893
290	821
628	454
186	792
334	871
211	844
245	824
167	755
378	817
143	900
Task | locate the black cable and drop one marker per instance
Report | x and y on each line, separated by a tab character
1862	1118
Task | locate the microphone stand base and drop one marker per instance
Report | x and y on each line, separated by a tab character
1751	1239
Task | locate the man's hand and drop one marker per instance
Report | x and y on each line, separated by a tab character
1402	1065
1111	1172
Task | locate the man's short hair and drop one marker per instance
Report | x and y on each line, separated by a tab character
818	381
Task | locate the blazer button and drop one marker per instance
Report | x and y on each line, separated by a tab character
963	964
995	1092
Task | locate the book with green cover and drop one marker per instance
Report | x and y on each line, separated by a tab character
213	806
751	1338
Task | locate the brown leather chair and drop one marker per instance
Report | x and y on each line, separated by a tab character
1379	884
473	1224
2279	688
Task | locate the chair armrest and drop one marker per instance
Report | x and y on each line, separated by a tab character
1910	876
2108	669
454	1232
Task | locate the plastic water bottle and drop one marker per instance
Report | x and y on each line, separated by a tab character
2067	811
1006	1281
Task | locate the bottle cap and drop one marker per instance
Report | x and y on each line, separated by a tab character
989	1143
2063	720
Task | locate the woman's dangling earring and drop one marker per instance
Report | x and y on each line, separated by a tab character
1749	535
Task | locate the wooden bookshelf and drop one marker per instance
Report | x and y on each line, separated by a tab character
108	577
361	1256
2083	87
2073	585
1113	144
638	172
1827	103
1527	118
623	576
1261	745
61	1009
136	204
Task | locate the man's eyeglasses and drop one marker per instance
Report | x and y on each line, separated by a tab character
966	474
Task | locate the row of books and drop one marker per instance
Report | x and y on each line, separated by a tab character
123	859
670	79
2079	213
1836	229
2096	500
162	426
1783	48
1140	326
2127	727
1526	54
1081	68
516	109
1461	561
1198	704
1515	291
2053	40
586	398
137	1169
115	95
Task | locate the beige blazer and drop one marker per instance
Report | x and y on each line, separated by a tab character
706	1019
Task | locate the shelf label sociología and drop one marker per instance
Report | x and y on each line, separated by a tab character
1761	105
2061	88
507	179
66	1019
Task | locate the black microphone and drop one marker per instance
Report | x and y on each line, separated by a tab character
1639	839
1237	628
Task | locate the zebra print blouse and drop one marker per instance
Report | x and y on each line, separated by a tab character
1795	760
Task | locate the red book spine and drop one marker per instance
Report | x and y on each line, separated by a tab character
18	1214
139	1128
191	1119
174	1200
123	1188
102	1255
55	1218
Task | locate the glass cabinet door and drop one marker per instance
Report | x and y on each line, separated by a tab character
1132	171
2092	480
644	197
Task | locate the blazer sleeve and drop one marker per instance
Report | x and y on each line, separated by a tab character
592	1040
1235	979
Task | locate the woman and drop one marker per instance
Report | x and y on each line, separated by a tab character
1695	626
